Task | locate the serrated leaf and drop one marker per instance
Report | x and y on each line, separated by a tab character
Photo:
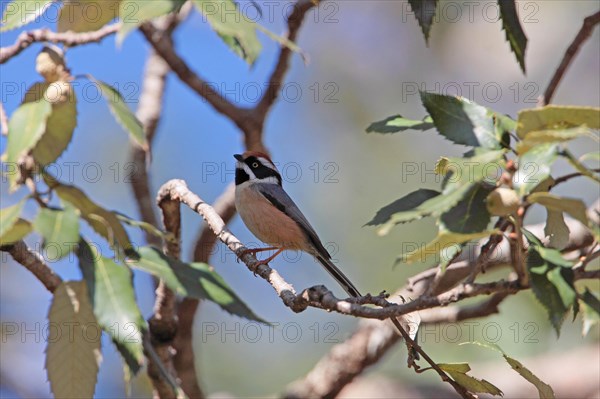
237	31
25	129
134	13
444	246
73	351
21	12
397	123
591	311
551	255
461	175
102	221
544	390
581	168
59	229
147	227
195	280
556	229
458	372
86	15
17	232
470	215
408	202
282	40
538	137
424	12
111	293
551	278
574	207
534	167
557	117
122	113
514	31
461	121
60	124
9	216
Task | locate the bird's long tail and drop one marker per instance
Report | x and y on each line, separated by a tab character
339	276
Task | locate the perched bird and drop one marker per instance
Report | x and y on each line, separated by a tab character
271	215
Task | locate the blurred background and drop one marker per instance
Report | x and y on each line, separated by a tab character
368	59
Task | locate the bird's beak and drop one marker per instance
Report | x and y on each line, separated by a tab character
239	157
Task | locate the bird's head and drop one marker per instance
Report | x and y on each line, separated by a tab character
255	167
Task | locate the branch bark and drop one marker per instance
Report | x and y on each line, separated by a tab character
70	39
584	33
33	262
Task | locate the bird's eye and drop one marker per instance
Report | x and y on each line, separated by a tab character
255	165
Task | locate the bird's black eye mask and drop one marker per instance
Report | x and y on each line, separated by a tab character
260	170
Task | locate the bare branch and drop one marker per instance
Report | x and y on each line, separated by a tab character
276	80
33	262
184	360
164	48
584	33
70	39
3	120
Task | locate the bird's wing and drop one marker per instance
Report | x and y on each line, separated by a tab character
277	196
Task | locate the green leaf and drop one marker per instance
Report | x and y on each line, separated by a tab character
590	156
17	232
282	40
102	221
25	129
458	372
444	245
514	31
551	279
60	124
21	12
461	121
196	280
544	390
147	227
237	31
574	207
557	117
538	137
424	13
553	256
86	15
556	229
122	113
9	216
73	351
113	300
581	168
470	215
406	203
591	311
397	123
534	168
134	13
462	174
59	228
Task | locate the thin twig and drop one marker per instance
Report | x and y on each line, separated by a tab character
70	39
3	120
276	80
33	262
584	33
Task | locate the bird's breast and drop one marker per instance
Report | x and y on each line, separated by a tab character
266	222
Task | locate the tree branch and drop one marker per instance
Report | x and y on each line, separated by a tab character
276	80
3	120
184	360
584	33
70	39
33	262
